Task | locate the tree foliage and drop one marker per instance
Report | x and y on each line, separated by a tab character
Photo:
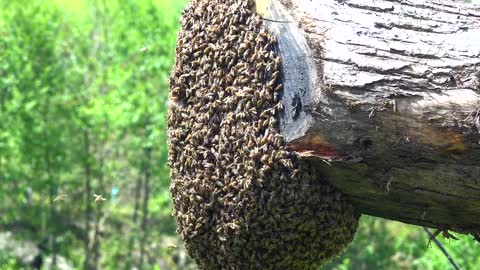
83	109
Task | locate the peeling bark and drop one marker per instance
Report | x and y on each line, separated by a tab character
388	93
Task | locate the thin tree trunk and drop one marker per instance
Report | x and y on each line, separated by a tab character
98	216
88	198
89	78
146	198
95	245
51	206
134	229
51	184
100	22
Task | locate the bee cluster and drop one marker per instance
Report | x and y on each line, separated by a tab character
241	199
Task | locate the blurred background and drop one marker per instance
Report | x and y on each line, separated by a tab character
83	97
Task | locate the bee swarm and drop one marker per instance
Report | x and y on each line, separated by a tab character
241	199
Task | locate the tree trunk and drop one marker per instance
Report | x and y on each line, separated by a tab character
134	229
99	214
146	199
385	97
88	195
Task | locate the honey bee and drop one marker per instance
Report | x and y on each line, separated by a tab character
60	197
99	198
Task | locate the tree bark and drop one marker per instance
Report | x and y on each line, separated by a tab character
384	96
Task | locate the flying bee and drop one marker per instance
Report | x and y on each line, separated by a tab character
60	197
99	198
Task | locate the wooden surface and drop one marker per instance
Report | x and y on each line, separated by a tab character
388	93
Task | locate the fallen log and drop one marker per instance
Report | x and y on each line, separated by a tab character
388	93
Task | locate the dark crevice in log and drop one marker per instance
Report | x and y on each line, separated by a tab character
372	8
435	6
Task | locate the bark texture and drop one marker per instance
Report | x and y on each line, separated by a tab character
388	93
